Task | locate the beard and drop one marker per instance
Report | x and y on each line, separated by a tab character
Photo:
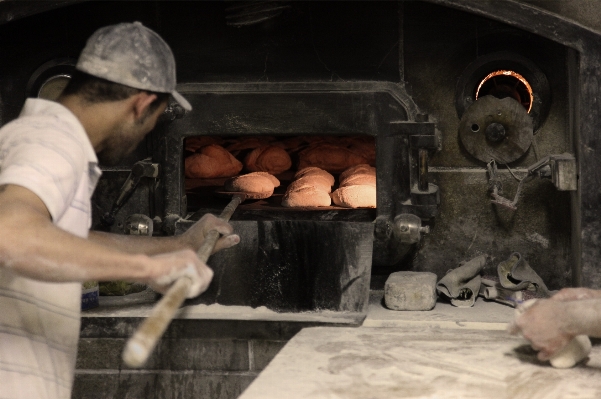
125	140
116	151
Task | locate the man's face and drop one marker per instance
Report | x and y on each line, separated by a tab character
129	135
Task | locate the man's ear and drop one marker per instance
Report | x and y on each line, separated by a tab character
141	102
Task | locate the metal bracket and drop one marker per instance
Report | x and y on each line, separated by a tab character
561	169
172	112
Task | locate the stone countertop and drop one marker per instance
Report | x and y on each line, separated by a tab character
418	362
444	353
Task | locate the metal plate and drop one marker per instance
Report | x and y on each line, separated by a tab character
489	112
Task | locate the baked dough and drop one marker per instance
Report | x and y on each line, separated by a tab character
306	196
366	147
274	180
211	161
357	169
269	158
355	196
250	183
319	182
248	143
312	187
358	180
194	143
332	158
315	171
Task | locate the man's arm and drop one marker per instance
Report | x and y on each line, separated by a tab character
191	239
577	293
33	246
551	324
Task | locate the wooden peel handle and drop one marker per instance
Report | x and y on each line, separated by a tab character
208	244
142	343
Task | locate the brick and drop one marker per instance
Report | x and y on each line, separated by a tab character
95	386
201	385
264	352
169	354
410	291
160	385
99	353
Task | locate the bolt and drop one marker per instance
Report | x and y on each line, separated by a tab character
495	132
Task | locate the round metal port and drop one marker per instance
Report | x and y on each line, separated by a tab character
505	74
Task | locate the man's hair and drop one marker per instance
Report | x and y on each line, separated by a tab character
97	90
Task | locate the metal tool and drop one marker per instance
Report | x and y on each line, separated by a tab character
141	344
143	168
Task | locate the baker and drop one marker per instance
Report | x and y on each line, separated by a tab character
48	171
550	324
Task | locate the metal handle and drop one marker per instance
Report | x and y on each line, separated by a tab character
142	343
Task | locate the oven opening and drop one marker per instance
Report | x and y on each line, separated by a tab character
338	175
506	83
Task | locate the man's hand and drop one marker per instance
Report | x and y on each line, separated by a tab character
576	294
196	234
547	325
169	267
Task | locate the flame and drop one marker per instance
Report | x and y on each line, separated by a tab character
508	73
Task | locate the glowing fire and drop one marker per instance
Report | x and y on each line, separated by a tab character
512	74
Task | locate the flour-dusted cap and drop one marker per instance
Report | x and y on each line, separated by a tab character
132	55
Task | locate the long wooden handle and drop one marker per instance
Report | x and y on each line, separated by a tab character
142	343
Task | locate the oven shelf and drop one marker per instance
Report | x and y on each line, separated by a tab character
203	199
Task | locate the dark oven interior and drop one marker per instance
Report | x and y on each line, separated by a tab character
425	83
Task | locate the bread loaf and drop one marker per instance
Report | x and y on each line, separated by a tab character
194	143
319	182
312	187
250	183
357	169
269	158
274	180
211	162
359	196
364	146
315	171
306	196
332	158
248	143
358	180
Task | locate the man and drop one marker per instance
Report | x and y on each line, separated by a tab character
550	324
48	171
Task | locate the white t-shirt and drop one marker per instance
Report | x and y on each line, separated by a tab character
47	151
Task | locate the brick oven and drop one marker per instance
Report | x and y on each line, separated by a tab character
423	81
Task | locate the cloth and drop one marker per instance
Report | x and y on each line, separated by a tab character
462	284
516	274
47	151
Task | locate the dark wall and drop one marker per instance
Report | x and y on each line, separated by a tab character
585	12
427	46
314	41
440	43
